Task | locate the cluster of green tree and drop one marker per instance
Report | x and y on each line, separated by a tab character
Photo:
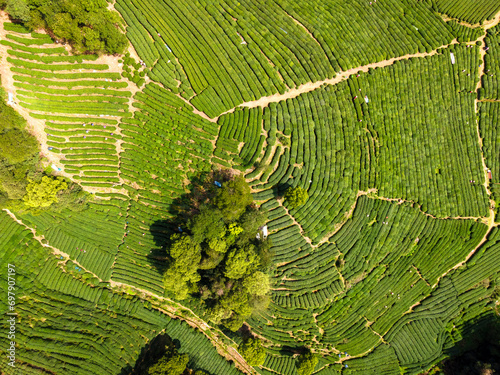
18	154
161	357
23	184
88	25
219	259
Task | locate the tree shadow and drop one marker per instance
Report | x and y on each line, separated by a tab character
201	189
150	354
478	352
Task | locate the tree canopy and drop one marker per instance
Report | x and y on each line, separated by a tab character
253	352
18	154
218	259
296	197
172	363
88	25
306	363
43	193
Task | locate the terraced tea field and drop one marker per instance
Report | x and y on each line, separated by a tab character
385	112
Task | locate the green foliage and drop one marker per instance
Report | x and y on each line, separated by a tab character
43	193
306	363
207	225
241	261
17	146
253	352
18	10
170	365
220	260
233	199
182	275
257	283
88	25
296	197
18	154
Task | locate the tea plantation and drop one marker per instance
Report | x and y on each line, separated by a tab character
385	112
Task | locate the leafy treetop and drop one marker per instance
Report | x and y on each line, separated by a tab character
88	24
306	363
219	260
44	193
253	352
296	197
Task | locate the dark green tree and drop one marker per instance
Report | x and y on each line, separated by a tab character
18	10
234	198
181	276
17	146
207	225
296	197
241	261
219	259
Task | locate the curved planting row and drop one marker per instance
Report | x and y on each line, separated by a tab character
339	144
244	126
471	11
164	144
490	78
80	101
245	52
72	323
357	33
388	257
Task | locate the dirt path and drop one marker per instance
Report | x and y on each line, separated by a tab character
341	76
55	251
37	126
490	220
167	306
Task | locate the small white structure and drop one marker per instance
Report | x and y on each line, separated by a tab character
262	229
55	167
452	57
11	98
366	99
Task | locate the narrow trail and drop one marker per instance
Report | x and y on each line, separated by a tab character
167	306
490	220
41	238
296	21
37	126
341	76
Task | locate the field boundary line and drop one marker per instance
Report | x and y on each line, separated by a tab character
341	76
162	304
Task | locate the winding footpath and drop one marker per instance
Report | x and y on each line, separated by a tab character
341	76
165	305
